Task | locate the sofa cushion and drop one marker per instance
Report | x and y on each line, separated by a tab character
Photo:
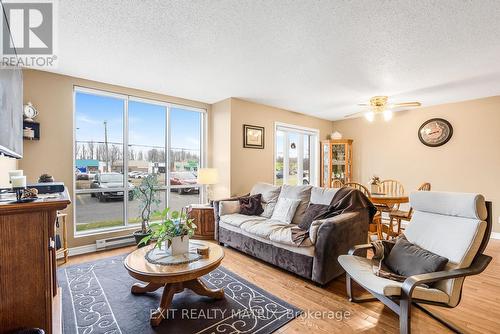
361	270
229	207
322	195
283	235
251	205
274	231
302	193
308	251
236	219
285	210
262	228
270	194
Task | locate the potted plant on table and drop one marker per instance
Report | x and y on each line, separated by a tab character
147	195
374	184
172	232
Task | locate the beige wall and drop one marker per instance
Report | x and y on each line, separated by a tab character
469	162
240	168
248	165
52	94
6	164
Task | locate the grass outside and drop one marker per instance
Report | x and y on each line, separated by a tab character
112	223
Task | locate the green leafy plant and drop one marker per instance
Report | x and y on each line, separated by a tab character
147	194
173	224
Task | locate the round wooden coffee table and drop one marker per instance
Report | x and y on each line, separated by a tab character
174	278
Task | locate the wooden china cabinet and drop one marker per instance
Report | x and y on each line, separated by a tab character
336	161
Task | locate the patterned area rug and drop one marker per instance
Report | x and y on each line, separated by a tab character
96	300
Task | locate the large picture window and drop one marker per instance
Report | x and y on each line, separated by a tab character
119	140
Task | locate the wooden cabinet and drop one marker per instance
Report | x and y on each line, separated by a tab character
336	161
203	216
28	285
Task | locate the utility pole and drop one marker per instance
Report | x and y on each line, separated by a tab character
106	145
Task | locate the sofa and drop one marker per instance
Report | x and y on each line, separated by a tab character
271	240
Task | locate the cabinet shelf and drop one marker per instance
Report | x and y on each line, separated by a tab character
336	162
35	128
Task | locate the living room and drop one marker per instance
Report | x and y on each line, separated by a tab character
280	135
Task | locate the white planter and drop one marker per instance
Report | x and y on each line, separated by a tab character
180	245
374	188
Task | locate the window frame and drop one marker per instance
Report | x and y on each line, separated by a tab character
314	155
164	188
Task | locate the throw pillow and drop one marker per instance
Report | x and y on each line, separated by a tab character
251	205
312	211
229	207
285	209
302	193
270	195
407	259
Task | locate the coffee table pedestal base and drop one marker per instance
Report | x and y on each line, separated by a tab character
169	290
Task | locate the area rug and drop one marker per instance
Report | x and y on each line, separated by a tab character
96	299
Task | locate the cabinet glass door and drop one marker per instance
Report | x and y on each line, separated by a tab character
338	161
326	165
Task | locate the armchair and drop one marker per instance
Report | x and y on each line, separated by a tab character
454	225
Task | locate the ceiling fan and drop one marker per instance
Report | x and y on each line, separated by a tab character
379	105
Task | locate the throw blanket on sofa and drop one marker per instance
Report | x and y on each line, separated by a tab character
345	200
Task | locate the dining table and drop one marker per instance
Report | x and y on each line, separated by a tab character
385	202
389	200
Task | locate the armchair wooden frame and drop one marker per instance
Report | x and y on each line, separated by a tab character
401	305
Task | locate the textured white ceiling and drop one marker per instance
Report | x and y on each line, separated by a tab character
314	57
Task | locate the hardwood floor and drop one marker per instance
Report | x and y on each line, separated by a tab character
478	311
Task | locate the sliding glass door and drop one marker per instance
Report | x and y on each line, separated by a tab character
106	173
295	155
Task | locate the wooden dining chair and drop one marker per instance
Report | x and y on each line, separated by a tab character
396	216
390	187
337	183
375	227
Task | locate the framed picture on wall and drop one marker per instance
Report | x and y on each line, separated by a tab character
253	136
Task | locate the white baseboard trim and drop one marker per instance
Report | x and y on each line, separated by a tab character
495	235
82	250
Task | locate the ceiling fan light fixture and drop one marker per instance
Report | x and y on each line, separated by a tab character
370	116
387	115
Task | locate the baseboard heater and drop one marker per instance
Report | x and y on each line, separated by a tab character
115	242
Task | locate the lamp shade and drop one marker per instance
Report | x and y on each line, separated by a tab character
208	176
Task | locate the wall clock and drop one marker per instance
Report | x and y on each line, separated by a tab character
435	132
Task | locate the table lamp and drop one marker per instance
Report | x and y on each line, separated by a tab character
207	177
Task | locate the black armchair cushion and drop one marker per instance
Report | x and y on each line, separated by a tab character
407	259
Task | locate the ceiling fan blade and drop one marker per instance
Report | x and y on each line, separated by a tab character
354	114
406	104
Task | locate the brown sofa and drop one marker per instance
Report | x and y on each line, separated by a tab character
271	240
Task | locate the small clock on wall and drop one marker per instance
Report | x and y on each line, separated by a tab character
435	132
